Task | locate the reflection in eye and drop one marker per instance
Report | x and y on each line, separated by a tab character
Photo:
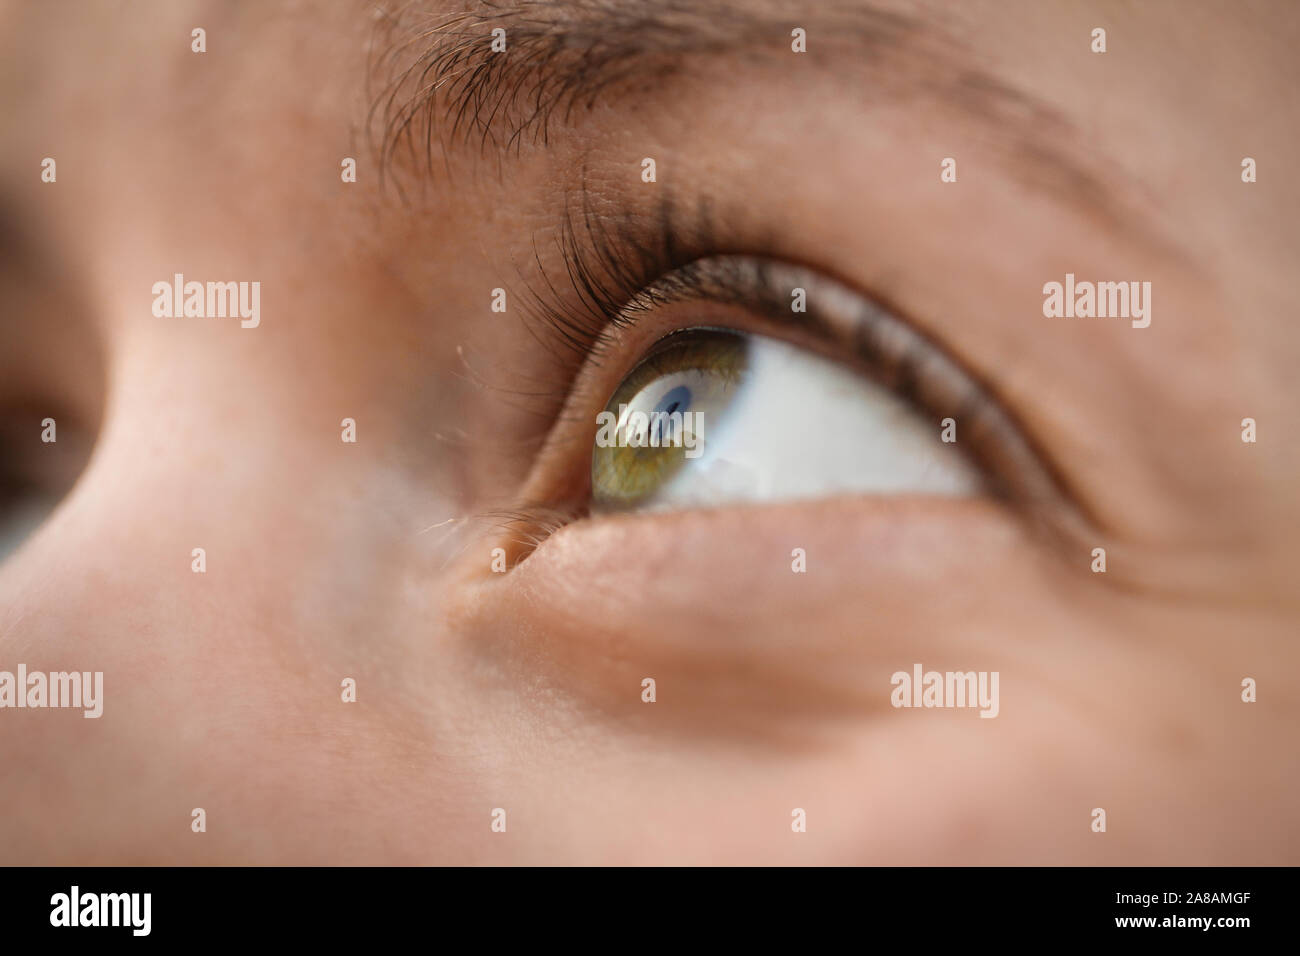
713	417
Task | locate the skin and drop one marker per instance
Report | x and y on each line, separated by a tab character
477	690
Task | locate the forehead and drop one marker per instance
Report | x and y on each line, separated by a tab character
1147	117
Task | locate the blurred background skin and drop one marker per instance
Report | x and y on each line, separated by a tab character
522	691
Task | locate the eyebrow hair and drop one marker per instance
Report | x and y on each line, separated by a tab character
442	82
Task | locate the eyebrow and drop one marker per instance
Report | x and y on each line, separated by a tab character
563	54
440	81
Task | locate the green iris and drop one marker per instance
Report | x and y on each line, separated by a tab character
655	422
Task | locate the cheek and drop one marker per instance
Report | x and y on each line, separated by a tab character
772	689
812	606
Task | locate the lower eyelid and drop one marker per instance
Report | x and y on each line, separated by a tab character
666	589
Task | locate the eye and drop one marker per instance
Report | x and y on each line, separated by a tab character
707	387
713	416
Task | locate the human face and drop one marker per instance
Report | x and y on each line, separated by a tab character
441	552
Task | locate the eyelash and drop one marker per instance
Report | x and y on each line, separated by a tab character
612	262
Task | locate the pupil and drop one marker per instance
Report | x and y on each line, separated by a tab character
678	398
